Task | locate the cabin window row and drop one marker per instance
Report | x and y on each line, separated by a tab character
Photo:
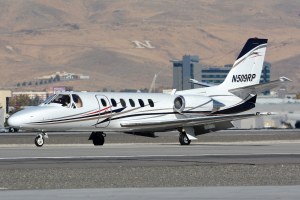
124	104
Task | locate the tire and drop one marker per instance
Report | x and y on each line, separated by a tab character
297	124
39	141
184	140
98	139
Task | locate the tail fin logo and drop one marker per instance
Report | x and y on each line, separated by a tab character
256	54
243	78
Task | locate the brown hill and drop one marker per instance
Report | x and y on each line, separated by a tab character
95	38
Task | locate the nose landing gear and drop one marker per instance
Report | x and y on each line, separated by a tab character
40	139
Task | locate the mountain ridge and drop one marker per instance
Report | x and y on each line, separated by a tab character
95	38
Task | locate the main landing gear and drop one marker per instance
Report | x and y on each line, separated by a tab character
183	139
40	139
98	138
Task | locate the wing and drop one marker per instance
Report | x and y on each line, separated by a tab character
187	122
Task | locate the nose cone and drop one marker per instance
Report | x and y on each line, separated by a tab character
14	121
19	119
26	118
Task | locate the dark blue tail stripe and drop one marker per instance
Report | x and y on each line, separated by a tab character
251	44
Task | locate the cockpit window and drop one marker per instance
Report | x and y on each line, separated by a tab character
49	99
62	99
77	100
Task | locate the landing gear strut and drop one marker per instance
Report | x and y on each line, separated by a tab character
40	139
183	139
98	138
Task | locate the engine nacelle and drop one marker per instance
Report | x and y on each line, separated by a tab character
193	103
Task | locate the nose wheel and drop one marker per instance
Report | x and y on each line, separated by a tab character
39	140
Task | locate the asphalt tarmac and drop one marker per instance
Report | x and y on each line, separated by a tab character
160	137
190	193
225	159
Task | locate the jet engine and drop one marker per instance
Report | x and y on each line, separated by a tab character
193	103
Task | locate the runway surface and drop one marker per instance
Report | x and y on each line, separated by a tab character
224	163
160	137
224	149
150	165
224	193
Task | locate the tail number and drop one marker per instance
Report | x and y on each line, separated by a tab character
243	78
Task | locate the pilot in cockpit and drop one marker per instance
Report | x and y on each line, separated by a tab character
65	100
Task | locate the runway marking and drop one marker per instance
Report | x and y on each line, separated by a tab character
141	156
146	144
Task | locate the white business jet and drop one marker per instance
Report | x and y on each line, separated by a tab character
191	112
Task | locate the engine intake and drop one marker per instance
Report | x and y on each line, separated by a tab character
193	104
179	104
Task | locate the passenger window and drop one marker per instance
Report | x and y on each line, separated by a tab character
123	103
151	103
131	103
113	102
103	102
77	100
141	103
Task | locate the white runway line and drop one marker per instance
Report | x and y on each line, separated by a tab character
139	156
195	143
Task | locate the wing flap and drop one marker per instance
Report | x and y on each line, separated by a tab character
192	121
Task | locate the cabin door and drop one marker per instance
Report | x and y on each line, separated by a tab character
104	111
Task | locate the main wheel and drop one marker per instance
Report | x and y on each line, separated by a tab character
39	141
98	139
183	139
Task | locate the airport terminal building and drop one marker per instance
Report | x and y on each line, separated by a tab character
4	102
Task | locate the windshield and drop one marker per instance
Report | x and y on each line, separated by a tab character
49	99
65	100
62	99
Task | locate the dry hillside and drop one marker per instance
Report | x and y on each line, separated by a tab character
95	38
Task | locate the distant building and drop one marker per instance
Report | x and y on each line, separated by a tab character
43	95
183	71
63	76
213	75
58	89
266	73
216	75
32	95
4	101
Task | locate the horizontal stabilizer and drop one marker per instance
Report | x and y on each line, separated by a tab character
258	88
203	84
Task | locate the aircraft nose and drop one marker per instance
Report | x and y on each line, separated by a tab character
14	121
